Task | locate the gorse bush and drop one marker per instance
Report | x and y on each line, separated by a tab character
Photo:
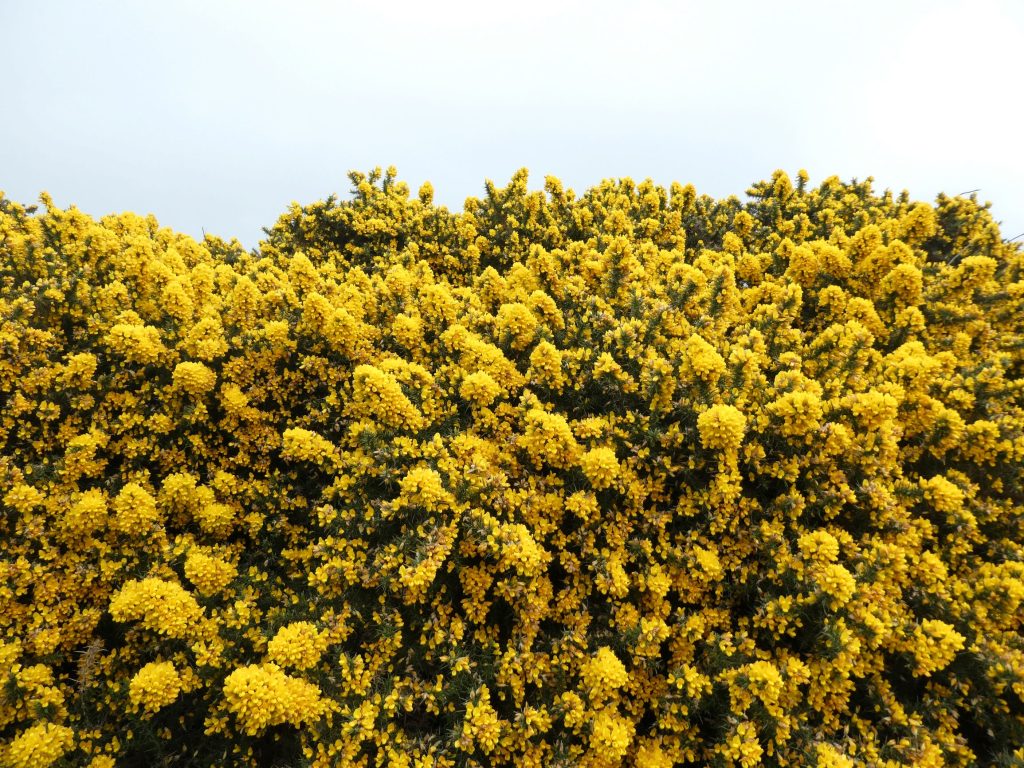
637	478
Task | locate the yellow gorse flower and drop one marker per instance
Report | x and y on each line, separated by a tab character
139	344
603	674
547	438
611	737
161	606
479	388
39	746
194	378
936	643
378	395
298	645
135	510
155	686
262	695
722	427
481	727
208	573
600	466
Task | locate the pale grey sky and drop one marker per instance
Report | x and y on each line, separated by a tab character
215	114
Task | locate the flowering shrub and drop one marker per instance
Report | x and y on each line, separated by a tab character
636	477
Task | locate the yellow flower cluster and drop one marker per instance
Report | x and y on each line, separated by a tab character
262	695
800	412
481	727
87	513
547	438
208	573
155	686
519	550
423	487
722	427
135	510
298	645
604	674
194	378
632	477
935	645
137	343
161	606
600	466
378	395
39	746
827	756
610	738
517	323
304	445
479	388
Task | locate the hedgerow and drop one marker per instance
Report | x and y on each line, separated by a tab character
636	478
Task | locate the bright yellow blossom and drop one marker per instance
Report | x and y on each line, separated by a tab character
155	686
39	746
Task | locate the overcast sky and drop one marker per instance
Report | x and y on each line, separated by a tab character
216	114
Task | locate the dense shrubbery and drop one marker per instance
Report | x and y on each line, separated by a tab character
635	478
